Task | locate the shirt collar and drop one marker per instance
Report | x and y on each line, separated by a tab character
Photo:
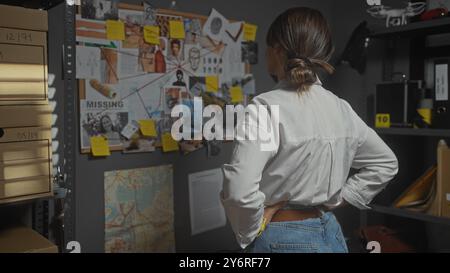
284	84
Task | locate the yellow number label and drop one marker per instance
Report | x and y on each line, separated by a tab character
383	121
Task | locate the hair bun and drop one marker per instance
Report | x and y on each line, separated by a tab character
298	62
300	72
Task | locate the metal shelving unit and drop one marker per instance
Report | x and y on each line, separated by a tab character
439	133
40	208
411	145
70	120
414	132
436	26
410	214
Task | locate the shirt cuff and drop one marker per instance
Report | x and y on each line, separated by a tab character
354	198
247	239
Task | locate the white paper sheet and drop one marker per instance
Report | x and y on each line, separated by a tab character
149	14
92	33
215	26
441	82
129	130
233	66
194	60
88	62
248	85
128	63
206	210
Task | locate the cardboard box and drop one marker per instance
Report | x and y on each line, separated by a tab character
443	179
23	66
18	17
25	117
24	240
23	56
25	153
13	116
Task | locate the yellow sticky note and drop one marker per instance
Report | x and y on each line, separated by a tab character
100	146
236	94
212	84
168	143
151	34
148	127
115	30
176	29
250	32
382	120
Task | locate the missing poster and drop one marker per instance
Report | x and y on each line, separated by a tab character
105	118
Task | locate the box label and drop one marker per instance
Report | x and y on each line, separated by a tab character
25	37
441	82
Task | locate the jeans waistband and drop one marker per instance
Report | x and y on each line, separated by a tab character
290	206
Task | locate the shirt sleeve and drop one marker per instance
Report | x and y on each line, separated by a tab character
241	196
377	165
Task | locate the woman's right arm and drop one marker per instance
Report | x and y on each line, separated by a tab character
375	162
377	165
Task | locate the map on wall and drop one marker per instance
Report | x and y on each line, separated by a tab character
139	210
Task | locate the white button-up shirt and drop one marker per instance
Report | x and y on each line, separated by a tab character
318	139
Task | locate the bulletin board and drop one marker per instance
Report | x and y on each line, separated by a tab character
130	77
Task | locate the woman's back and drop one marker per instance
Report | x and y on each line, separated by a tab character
318	136
315	139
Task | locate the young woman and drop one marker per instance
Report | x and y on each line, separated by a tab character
281	200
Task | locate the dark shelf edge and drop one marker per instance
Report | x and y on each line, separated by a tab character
436	26
413	132
411	214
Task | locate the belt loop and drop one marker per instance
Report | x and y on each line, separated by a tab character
322	217
322	213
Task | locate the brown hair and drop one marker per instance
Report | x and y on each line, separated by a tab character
304	36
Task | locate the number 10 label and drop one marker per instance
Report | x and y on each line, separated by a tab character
383	121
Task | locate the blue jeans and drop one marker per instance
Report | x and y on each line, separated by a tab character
315	235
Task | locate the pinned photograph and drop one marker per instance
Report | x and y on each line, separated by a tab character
147	58
193	29
99	9
164	45
197	85
180	79
162	20
137	144
215	26
194	63
173	96
250	52
108	123
88	62
175	55
248	85
212	64
105	90
189	146
133	21
108	66
149	14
